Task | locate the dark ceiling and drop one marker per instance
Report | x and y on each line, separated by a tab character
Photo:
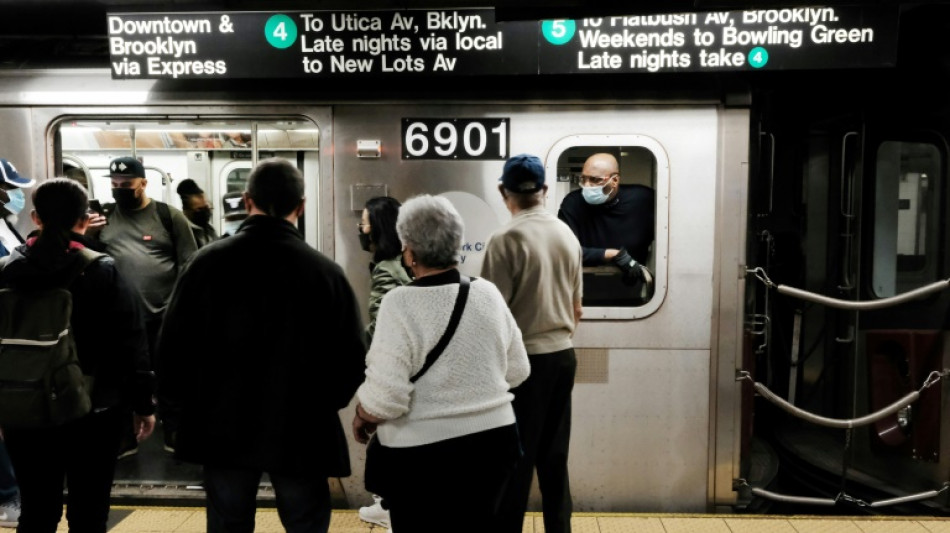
60	33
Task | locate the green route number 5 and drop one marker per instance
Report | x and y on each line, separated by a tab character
558	31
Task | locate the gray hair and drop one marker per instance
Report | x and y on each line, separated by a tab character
433	228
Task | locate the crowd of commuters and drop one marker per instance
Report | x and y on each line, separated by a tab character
447	366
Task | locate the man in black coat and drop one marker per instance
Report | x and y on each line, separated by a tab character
260	347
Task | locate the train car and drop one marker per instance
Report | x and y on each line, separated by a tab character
790	353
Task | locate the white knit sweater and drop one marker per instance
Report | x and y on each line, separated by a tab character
467	389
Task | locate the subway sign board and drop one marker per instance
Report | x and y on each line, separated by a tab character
470	42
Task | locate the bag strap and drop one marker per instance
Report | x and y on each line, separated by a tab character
86	258
449	330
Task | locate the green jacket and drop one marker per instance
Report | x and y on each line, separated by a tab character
387	275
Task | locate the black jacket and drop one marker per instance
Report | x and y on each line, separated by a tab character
627	221
106	322
260	347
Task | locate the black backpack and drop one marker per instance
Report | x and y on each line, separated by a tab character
41	382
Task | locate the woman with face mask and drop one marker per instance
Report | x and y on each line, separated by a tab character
198	211
377	234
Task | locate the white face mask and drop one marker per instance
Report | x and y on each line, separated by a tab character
594	194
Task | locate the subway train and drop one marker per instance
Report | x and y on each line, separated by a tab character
790	355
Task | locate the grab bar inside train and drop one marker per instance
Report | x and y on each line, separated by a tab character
881	303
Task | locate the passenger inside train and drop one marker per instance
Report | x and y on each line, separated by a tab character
615	224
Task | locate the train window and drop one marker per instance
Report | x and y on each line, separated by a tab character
216	153
906	216
614	207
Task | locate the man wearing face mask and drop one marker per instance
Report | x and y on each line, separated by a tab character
614	223
198	211
147	254
12	201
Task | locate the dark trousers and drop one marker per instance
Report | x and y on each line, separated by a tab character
543	410
83	453
8	487
452	485
303	503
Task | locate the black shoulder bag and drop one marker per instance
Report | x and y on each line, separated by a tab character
379	466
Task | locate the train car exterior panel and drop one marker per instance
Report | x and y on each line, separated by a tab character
674	345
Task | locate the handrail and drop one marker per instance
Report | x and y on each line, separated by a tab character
890	301
842	496
867	419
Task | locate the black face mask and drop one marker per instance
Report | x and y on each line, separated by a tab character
126	199
201	217
364	241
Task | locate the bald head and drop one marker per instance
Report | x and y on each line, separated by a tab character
601	165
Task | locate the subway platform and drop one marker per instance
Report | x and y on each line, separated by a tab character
132	519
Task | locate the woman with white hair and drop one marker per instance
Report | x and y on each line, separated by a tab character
448	423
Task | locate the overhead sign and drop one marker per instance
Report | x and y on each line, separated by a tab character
469	42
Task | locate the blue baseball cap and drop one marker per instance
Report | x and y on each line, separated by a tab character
12	177
523	173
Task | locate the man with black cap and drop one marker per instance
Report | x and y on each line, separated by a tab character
535	261
150	241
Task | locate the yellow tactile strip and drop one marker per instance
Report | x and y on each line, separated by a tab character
192	520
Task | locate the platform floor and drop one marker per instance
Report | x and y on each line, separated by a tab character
192	520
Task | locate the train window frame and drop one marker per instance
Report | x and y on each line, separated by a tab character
888	278
661	185
192	140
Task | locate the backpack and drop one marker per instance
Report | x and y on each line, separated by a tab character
41	382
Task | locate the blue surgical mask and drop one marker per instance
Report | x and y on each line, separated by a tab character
594	195
17	201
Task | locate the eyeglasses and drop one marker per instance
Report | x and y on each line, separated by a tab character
586	181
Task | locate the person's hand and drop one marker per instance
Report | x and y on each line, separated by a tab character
362	430
96	222
627	264
633	272
143	426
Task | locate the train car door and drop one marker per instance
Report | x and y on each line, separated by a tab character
217	152
863	221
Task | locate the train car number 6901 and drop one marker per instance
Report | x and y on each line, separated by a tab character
455	138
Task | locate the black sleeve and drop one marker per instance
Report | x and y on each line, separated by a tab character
114	337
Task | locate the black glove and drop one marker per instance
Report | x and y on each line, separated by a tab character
628	265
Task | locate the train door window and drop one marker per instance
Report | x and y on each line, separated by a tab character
906	216
216	153
627	219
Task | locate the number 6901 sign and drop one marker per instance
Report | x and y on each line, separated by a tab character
455	138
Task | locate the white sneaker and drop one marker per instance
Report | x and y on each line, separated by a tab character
375	514
10	513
